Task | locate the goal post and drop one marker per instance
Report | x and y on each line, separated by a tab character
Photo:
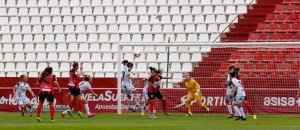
237	45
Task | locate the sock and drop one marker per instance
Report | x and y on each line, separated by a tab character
30	110
242	112
164	105
204	106
188	106
152	106
73	102
249	108
38	111
52	111
22	109
66	111
87	109
229	107
135	97
237	111
79	105
129	103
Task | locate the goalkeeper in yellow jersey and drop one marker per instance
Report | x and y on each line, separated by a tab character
193	93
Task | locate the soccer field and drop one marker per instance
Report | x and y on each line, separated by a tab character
138	122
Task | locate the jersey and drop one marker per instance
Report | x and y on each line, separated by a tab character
125	77
21	88
74	80
240	89
146	87
192	86
156	81
47	85
84	85
229	87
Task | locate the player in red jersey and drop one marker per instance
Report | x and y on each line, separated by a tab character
75	89
46	82
154	82
247	105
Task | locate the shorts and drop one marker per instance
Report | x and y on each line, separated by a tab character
74	91
158	95
239	100
128	89
193	96
43	96
145	95
229	98
23	101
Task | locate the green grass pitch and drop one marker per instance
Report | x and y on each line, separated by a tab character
9	121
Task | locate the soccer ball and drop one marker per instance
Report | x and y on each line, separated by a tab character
137	54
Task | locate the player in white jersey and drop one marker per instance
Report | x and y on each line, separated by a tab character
240	96
145	96
84	87
229	97
20	94
128	88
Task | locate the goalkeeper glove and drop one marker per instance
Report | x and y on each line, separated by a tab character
197	93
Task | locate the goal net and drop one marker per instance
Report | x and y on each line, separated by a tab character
269	72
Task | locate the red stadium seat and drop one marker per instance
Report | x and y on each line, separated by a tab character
295	27
286	76
287	1
294	18
269	57
285	27
290	9
261	27
289	50
274	75
283	67
234	57
297	76
243	49
253	37
293	57
251	75
277	50
281	18
238	65
279	9
248	68
276	37
295	68
297	1
287	37
258	57
271	67
217	75
266	49
263	37
254	49
223	67
260	68
246	57
270	18
297	37
281	57
273	27
262	75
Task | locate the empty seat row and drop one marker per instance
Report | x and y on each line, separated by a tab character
281	18
291	2
161	10
262	75
178	28
274	27
95	47
42	3
268	57
265	37
287	9
89	67
263	49
98	57
144	19
261	67
6	38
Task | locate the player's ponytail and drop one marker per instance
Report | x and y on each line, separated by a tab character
47	71
124	62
